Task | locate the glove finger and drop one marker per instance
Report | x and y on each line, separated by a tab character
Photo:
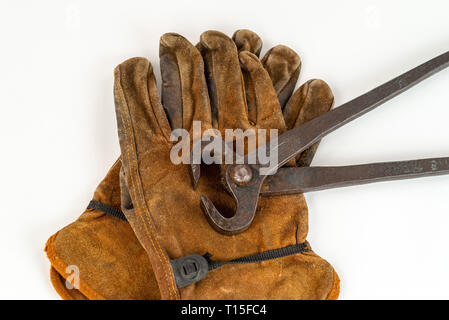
247	40
311	100
140	114
267	112
283	65
225	81
143	131
184	88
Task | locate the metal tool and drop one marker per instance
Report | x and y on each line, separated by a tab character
246	183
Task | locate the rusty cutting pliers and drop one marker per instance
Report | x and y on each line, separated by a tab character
245	181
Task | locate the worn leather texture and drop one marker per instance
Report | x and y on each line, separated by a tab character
222	83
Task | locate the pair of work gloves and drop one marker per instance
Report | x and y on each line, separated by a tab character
222	83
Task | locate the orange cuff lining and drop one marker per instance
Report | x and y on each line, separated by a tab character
57	272
58	283
335	291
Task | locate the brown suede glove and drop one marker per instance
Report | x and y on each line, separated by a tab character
159	201
110	259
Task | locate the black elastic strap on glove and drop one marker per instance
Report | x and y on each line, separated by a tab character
194	267
258	257
97	205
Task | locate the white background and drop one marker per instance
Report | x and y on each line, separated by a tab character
58	131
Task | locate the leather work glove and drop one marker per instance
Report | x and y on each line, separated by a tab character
190	260
111	262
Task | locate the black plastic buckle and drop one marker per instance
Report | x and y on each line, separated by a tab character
189	269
